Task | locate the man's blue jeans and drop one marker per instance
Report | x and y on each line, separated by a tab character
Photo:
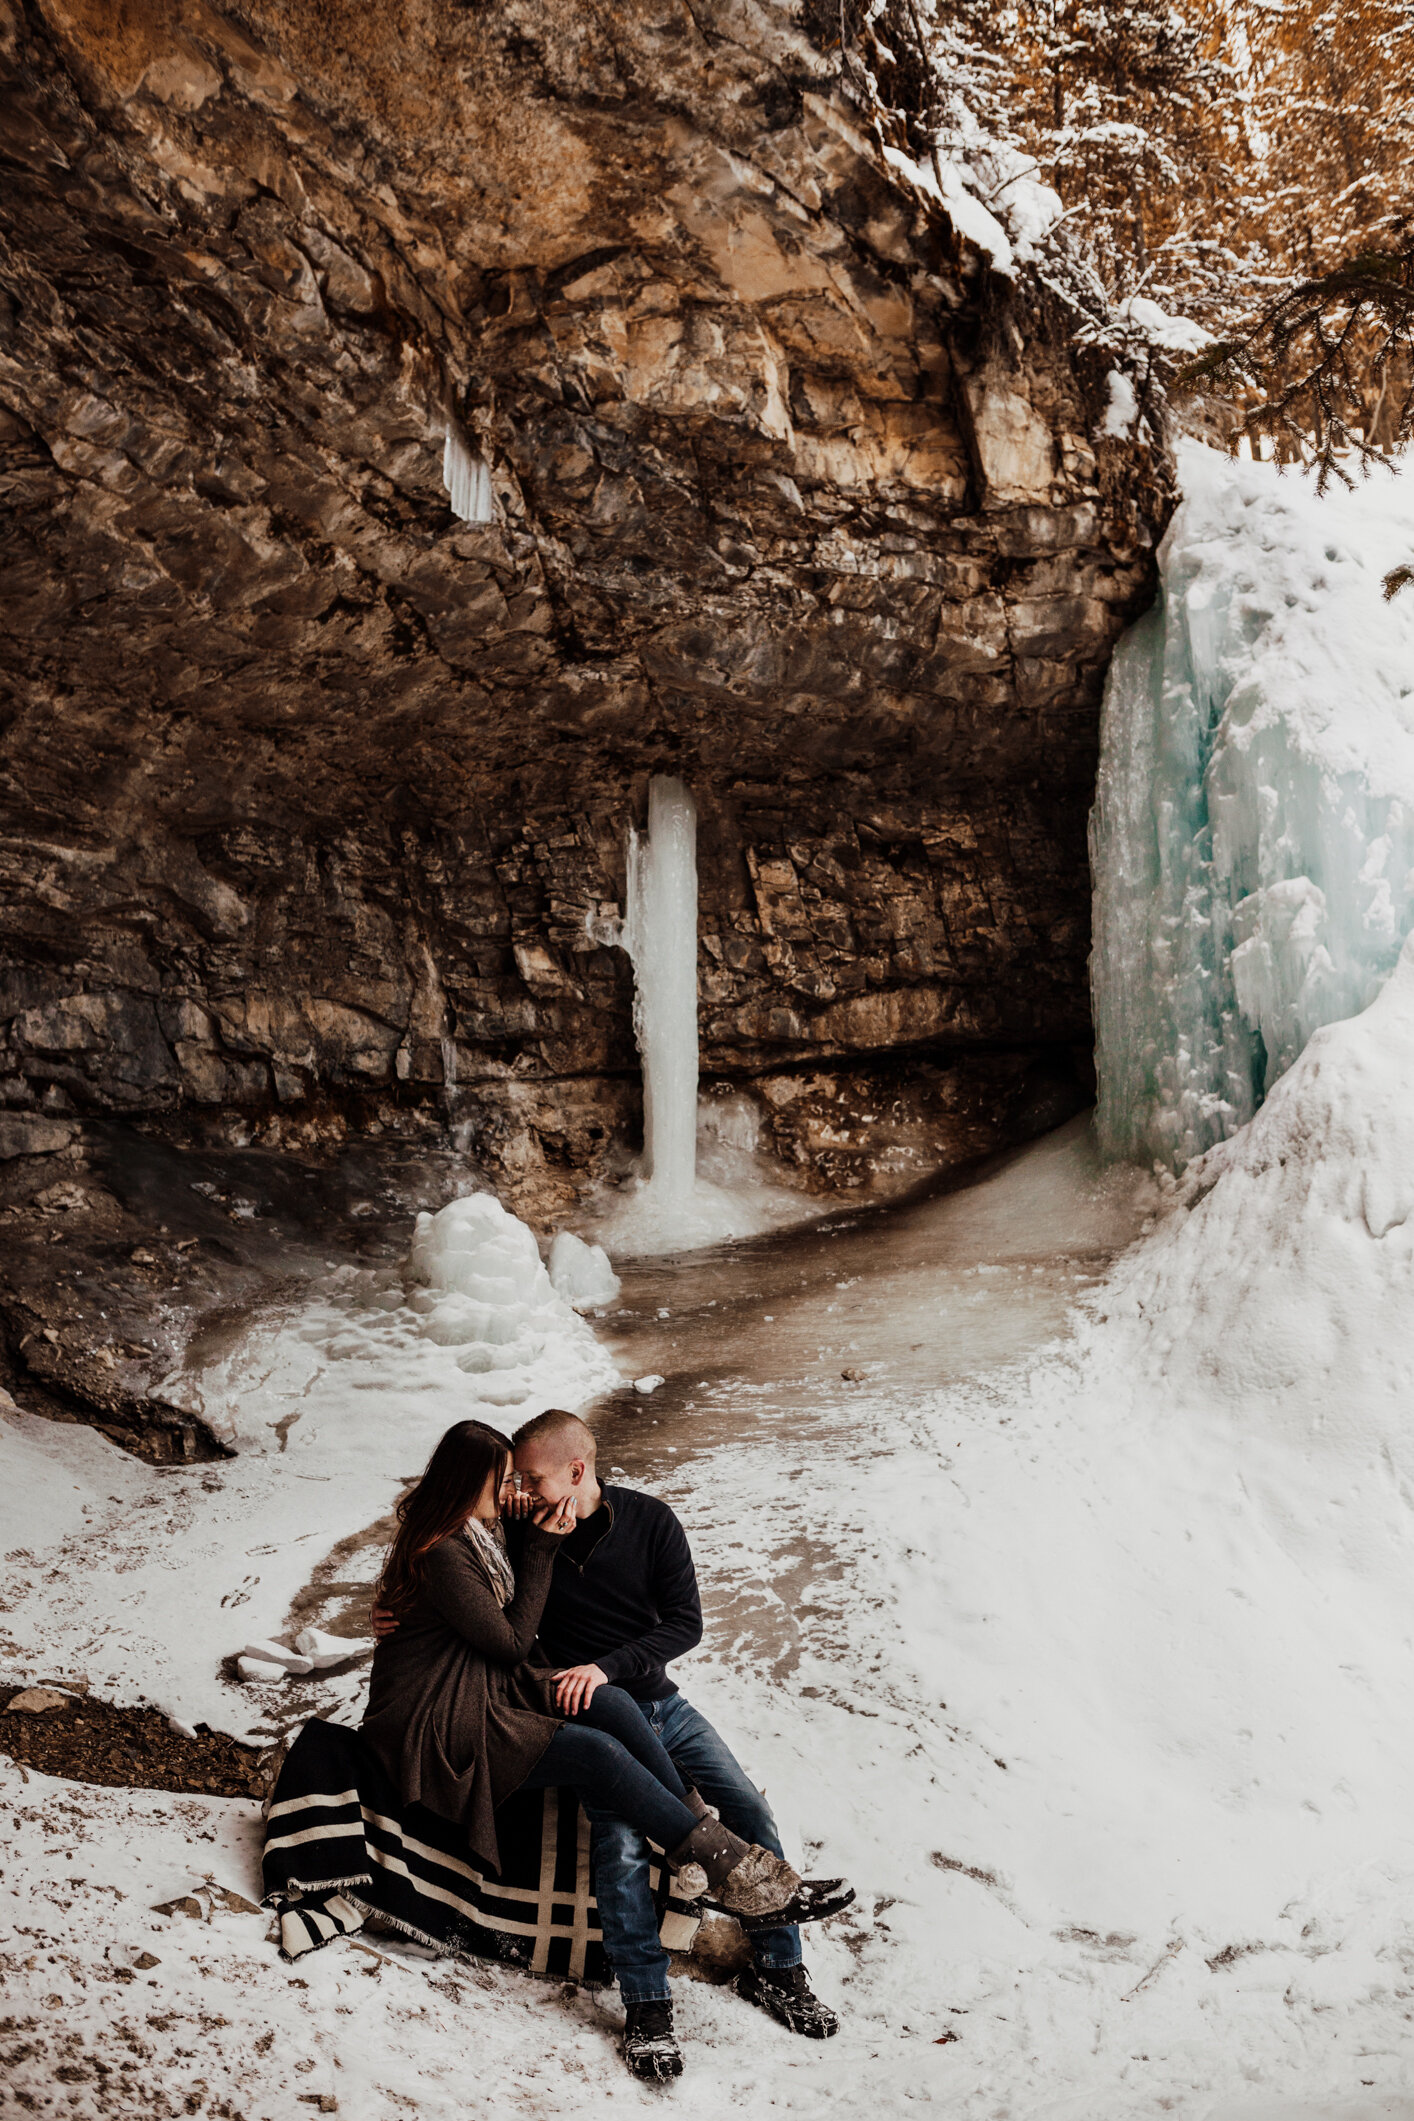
621	1857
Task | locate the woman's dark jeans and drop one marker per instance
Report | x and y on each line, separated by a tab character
613	1762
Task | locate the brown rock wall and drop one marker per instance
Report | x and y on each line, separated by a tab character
310	791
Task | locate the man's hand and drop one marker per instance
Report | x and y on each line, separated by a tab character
575	1689
384	1622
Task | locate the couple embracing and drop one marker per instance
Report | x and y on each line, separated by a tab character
526	1615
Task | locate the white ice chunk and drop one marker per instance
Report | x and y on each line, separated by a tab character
647	1384
582	1273
275	1653
259	1668
325	1651
468	482
1252	840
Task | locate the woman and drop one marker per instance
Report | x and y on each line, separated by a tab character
460	1716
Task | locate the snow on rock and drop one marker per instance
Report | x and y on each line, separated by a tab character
1122	410
581	1273
1253	833
989	191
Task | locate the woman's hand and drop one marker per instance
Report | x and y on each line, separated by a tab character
558	1517
576	1688
516	1500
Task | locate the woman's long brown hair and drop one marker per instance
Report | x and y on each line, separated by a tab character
440	1504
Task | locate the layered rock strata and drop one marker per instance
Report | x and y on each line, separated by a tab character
315	793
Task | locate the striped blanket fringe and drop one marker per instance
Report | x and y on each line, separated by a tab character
341	1847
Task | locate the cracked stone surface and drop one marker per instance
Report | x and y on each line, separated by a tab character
314	796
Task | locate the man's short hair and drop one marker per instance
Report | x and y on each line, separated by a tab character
557	1425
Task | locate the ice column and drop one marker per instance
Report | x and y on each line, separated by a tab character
660	936
467	481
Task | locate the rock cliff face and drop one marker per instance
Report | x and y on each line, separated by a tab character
315	792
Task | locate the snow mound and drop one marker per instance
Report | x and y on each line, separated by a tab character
1253	833
1282	1283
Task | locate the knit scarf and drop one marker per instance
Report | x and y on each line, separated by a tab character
490	1550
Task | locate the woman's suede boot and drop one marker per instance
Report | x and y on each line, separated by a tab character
743	1878
747	1881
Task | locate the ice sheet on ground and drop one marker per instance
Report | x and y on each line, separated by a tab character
1253	833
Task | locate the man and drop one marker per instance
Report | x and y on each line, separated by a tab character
623	1602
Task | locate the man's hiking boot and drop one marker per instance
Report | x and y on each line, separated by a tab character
759	1888
786	1993
650	2045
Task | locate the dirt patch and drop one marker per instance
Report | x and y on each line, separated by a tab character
91	1741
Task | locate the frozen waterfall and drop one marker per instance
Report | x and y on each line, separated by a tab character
1252	839
660	936
666	1206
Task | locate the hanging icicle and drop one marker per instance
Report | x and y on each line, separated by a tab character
467	481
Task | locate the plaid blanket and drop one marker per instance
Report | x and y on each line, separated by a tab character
340	1846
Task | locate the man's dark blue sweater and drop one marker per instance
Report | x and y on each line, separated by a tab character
623	1595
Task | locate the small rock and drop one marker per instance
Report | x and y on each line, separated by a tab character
143	1259
26	1134
854	1377
202	1904
128	1959
36	1699
647	1384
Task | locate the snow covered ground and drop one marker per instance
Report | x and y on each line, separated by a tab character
1088	1653
1099	1693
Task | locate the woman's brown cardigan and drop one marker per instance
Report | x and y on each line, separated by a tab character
455	1714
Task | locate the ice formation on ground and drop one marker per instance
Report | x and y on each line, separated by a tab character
582	1274
480	1288
1253	834
738	1193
